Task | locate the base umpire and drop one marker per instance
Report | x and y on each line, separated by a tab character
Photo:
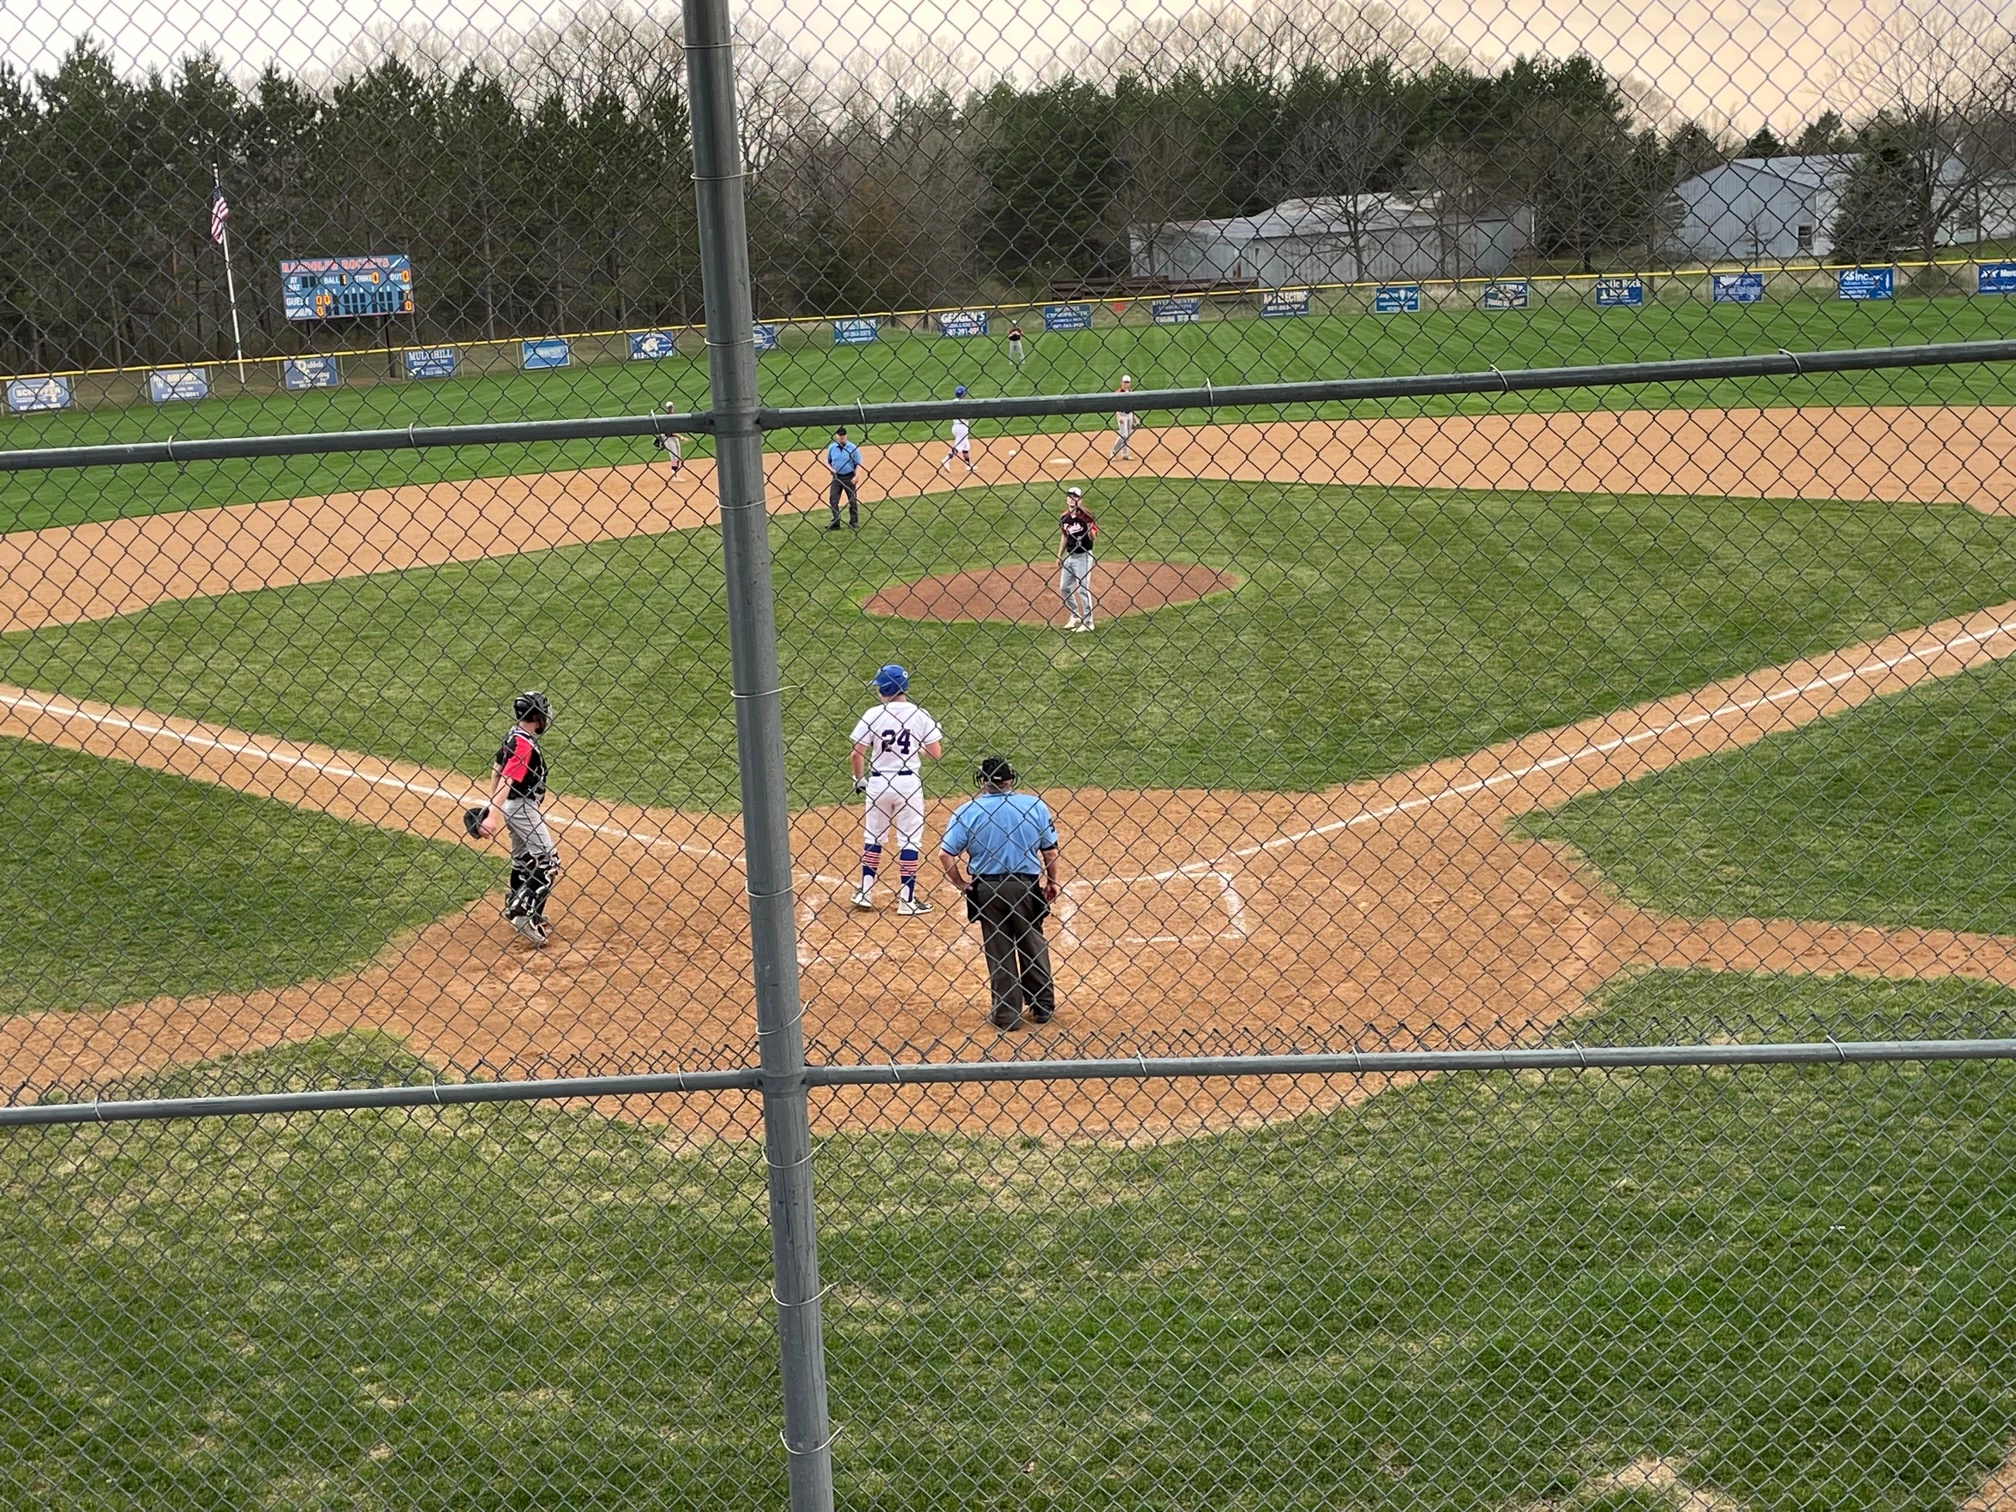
1010	842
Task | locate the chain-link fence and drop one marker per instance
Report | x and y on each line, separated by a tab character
1245	756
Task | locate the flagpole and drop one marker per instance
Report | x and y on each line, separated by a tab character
230	280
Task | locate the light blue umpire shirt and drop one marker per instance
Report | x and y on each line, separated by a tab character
844	457
1001	833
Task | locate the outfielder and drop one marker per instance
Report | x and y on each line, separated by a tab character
518	782
670	440
962	437
891	742
1015	343
1123	423
1076	531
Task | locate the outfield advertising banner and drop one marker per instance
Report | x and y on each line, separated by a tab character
858	332
963	323
1278	304
766	338
1175	311
545	352
1619	293
1995	278
1506	294
26	395
1067	317
431	362
178	385
1396	299
1866	283
1736	288
650	346
298	373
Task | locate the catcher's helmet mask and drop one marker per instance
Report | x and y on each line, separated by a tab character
532	705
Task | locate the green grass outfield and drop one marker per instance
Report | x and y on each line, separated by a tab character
1901	812
1475	1293
124	884
1376	630
915	366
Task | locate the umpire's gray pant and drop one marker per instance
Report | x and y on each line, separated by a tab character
1012	909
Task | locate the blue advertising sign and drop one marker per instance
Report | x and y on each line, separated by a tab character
1276	304
1619	293
1735	288
1995	278
1071	317
1396	299
1866	283
314	372
25	395
766	338
1175	311
545	352
342	288
649	346
431	362
178	385
857	332
963	323
1505	294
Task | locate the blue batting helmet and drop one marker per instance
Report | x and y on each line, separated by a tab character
959	392
892	680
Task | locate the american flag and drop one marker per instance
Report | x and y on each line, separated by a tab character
220	212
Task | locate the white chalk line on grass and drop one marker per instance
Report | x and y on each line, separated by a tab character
1570	758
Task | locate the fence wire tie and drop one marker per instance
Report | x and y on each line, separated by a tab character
821	1449
1798	367
1581	1057
818	1296
1840	1053
1504	383
794	1165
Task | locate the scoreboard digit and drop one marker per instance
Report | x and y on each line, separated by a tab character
346	288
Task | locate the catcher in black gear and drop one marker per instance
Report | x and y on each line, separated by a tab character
518	783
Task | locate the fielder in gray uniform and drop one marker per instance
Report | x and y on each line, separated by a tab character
518	783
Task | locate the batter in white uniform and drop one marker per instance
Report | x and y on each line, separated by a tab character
962	438
891	742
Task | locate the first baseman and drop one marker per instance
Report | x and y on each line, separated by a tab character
518	783
962	437
891	742
1123	423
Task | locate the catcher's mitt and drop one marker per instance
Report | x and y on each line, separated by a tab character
472	820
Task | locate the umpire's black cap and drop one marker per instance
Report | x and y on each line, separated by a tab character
995	772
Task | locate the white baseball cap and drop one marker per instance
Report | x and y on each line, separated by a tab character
672	406
1126	377
1074	492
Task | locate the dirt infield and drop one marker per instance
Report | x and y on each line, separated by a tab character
1027	594
1389	912
1396	912
1952	456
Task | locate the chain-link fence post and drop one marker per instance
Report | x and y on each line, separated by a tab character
759	737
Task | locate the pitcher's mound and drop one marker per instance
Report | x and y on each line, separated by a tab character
1027	594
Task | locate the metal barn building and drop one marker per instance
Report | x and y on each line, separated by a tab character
1365	238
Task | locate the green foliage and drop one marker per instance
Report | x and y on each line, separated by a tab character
1475	1293
124	884
1896	813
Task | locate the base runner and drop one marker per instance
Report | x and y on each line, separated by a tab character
891	743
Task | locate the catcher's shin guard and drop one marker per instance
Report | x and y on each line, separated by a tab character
516	896
544	872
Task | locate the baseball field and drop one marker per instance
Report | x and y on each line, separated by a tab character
1590	719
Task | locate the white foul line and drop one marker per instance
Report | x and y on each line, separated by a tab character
1569	758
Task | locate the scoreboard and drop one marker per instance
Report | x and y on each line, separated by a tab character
344	288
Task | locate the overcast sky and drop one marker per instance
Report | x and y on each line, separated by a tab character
1748	60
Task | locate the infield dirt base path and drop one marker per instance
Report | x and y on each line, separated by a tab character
1946	456
1398	911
